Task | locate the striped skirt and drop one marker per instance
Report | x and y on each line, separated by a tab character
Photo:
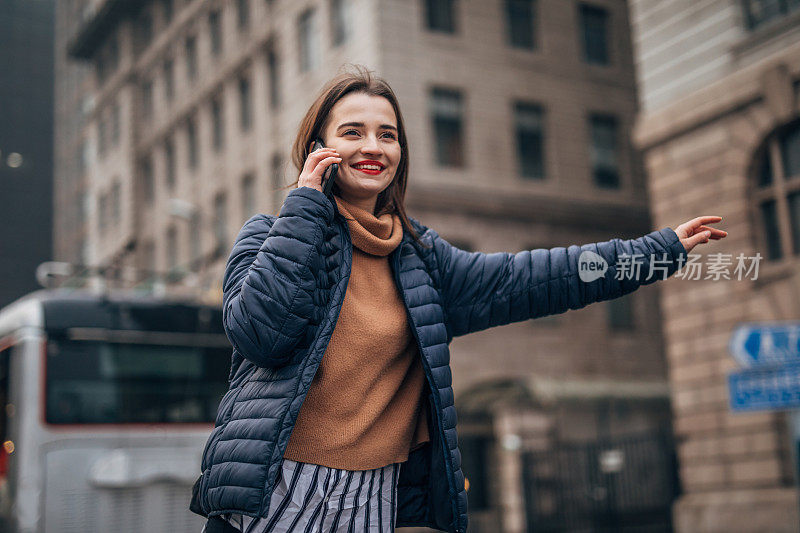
314	498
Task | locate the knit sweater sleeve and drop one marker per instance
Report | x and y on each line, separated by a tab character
269	279
481	290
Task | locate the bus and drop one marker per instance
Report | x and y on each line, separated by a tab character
106	402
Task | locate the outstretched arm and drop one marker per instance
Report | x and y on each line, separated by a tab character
482	290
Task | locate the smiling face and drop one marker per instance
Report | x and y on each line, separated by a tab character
362	128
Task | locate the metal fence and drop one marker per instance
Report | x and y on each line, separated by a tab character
621	485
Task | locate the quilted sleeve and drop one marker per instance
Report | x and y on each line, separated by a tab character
482	290
268	286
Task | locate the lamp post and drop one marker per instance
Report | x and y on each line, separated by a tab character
190	213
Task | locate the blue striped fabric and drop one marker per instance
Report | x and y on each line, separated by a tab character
314	498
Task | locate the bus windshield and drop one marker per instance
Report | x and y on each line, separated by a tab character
99	382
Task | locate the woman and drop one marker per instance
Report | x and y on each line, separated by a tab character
363	439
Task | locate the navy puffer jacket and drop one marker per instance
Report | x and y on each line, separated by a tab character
283	288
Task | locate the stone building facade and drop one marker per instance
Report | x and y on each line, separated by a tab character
519	116
720	133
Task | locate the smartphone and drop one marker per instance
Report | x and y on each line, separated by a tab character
329	176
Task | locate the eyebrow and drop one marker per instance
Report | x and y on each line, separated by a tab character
361	125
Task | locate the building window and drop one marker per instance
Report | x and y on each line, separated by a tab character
169	80
83	157
147	99
101	135
307	40
166	11
172	252
169	163
215	32
147	262
144	30
195	241
100	69
279	193
116	202
107	60
440	15
148	183
620	313
191	142
248	195
218	124
245	104
521	21
220	220
115	125
529	119
604	150
113	54
777	194
191	57
102	213
341	20
274	79
447	113
759	12
80	201
242	14
594	22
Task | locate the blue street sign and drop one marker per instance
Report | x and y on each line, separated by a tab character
767	344
767	389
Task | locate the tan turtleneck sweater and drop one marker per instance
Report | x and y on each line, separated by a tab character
365	408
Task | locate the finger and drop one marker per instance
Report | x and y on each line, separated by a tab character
706	219
322	152
700	238
687	229
315	157
715	232
325	163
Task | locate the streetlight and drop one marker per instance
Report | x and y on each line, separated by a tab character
189	212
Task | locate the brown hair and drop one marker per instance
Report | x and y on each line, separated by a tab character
361	80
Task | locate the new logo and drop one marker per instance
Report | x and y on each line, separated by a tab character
591	266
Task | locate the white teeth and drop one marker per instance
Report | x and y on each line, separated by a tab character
368	167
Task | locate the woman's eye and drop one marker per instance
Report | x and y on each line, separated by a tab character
389	134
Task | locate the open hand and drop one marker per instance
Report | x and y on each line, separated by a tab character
696	232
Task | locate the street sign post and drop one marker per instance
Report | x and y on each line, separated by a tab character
767	389
763	344
770	356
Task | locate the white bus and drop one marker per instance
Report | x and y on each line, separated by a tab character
106	402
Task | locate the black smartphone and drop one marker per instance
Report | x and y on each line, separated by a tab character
329	176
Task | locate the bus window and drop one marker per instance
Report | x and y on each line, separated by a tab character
96	382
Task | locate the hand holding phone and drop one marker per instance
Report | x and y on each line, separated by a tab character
321	169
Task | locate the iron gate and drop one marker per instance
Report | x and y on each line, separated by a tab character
626	484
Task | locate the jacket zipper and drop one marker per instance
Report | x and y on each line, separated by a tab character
431	385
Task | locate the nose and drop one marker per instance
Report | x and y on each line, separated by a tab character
371	145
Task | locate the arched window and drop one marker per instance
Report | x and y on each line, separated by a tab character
777	193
